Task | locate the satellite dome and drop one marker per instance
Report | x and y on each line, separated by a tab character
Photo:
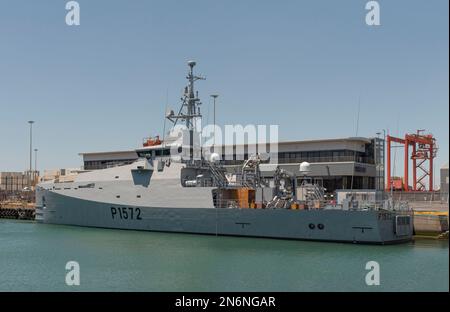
214	157
305	168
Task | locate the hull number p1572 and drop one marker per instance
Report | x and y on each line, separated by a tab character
125	213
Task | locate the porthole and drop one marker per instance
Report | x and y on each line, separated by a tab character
312	226
321	226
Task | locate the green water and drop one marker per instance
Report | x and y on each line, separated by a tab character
33	258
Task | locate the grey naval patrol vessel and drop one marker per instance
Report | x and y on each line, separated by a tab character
186	194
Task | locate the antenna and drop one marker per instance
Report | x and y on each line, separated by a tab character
165	119
214	96
356	135
394	168
357	117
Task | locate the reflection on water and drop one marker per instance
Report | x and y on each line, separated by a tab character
430	243
33	257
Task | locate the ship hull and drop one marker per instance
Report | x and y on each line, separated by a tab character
367	227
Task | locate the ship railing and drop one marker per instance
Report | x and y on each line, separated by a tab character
245	180
217	175
380	205
242	203
356	205
227	203
320	205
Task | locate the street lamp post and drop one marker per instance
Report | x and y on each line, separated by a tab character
384	159
214	96
31	122
35	165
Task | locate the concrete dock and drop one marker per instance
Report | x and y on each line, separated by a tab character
431	224
430	218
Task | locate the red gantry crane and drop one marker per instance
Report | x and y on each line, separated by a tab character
424	150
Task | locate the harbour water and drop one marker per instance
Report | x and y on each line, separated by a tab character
33	258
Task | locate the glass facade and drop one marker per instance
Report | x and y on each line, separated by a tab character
345	183
314	157
103	164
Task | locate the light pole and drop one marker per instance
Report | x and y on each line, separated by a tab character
35	165
31	122
384	159
214	96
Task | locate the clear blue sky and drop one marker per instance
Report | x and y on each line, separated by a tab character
300	64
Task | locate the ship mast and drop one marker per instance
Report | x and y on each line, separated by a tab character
190	107
193	102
